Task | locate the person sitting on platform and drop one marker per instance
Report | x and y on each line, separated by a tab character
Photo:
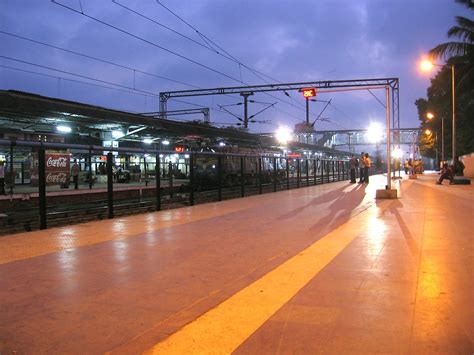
447	172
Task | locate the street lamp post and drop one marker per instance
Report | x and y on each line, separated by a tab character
430	116
426	65
429	133
454	113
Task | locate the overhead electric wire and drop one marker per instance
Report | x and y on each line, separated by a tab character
230	56
208	40
168	28
207	46
97	59
163	48
78	75
77	81
147	41
347	116
376	98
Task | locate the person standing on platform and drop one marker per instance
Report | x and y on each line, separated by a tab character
353	163
361	168
367	165
2	178
75	174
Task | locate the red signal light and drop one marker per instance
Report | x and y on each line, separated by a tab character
309	92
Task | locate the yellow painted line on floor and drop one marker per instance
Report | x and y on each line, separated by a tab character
223	328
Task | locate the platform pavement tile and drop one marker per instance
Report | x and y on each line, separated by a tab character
78	330
440	328
367	340
386	318
278	337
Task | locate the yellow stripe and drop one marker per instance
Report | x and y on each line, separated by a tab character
224	328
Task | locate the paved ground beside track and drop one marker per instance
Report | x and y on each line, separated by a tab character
321	269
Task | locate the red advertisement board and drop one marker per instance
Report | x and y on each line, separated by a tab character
57	169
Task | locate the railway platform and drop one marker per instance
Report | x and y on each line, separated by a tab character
320	269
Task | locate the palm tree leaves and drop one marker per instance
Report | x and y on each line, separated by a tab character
465	32
459	51
450	49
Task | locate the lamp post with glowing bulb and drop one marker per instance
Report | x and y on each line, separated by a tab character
428	134
427	65
431	116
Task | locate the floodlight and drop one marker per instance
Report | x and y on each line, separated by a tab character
63	129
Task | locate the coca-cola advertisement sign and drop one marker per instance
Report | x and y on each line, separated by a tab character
57	162
57	169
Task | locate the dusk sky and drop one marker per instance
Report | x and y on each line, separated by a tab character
289	41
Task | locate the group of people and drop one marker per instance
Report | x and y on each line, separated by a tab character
363	163
413	166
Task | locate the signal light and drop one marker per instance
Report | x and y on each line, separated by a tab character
309	92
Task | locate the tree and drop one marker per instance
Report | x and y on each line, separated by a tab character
459	52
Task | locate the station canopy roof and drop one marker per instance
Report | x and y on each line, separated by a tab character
29	113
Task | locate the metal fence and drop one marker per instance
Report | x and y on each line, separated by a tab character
50	184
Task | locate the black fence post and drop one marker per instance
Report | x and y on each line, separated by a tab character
42	187
307	172
158	182
110	185
298	172
170	178
328	164
145	172
242	177
314	169
287	173
11	172
338	170
275	174
321	167
89	174
219	178
191	179
260	178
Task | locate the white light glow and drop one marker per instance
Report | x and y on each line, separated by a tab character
374	132
426	65
165	142
64	129
283	134
397	153
221	144
117	134
147	141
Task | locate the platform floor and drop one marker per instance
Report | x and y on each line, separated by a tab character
325	269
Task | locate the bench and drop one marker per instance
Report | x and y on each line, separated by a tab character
461	181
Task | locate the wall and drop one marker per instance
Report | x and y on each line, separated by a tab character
468	161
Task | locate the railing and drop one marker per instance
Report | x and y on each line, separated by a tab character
122	181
